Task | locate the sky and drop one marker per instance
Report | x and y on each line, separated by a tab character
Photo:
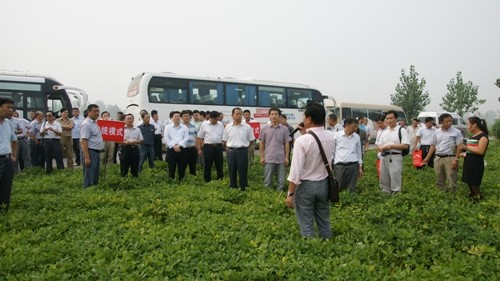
351	50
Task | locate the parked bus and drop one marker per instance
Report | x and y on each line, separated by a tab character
166	92
370	111
32	92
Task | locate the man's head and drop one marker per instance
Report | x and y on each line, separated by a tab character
391	118
6	106
105	115
414	122
176	117
50	116
145	119
129	120
247	115
76	111
381	122
119	116
93	111
429	122
283	119
332	120
274	115
214	117
185	116
445	120
196	115
64	113
154	115
350	125
237	114
314	115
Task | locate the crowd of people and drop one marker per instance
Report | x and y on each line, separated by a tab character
194	138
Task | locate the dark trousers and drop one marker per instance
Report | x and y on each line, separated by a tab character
158	147
176	160
425	151
237	161
212	153
191	157
115	152
129	158
52	149
76	150
6	177
37	153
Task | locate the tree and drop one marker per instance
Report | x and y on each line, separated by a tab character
461	97
410	93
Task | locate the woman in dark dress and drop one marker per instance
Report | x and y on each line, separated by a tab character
474	156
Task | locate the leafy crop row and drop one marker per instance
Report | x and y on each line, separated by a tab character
154	228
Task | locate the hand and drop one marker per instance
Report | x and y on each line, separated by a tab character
200	153
87	162
286	161
13	157
289	201
360	171
454	164
262	161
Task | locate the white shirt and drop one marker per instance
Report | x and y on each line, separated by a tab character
412	133
425	135
347	148
23	124
159	128
238	135
174	135
446	142
132	134
211	134
307	163
75	132
391	136
50	134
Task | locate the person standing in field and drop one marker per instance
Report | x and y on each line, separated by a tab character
210	136
191	153
412	133
308	178
8	143
51	132
476	148
75	133
109	146
424	137
146	149
129	158
274	150
176	138
251	149
36	140
91	146
347	155
390	146
238	136
66	138
159	129
447	143
23	159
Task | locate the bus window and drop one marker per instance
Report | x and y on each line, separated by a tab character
298	98
271	96
346	112
165	90
242	95
374	114
55	105
206	92
357	112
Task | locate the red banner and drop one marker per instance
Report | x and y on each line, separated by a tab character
112	130
256	129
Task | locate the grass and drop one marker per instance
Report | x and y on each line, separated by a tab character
154	228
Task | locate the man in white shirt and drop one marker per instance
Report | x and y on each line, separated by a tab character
51	132
447	142
238	136
347	155
130	154
412	133
390	146
23	159
308	178
210	135
176	138
333	125
159	129
424	137
75	133
8	143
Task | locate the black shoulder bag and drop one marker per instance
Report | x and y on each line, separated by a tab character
333	184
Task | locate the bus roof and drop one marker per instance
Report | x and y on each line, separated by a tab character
368	106
24	76
228	80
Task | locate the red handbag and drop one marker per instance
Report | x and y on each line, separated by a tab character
417	158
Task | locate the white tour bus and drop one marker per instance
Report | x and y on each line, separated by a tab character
33	92
457	121
166	92
370	111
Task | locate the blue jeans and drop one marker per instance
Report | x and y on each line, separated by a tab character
146	152
91	174
311	204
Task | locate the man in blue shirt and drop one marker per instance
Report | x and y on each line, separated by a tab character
147	149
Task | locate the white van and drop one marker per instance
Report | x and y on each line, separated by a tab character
457	122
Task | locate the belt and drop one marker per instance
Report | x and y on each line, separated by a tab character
52	139
238	148
445	155
5	156
346	163
97	150
20	138
213	144
129	146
